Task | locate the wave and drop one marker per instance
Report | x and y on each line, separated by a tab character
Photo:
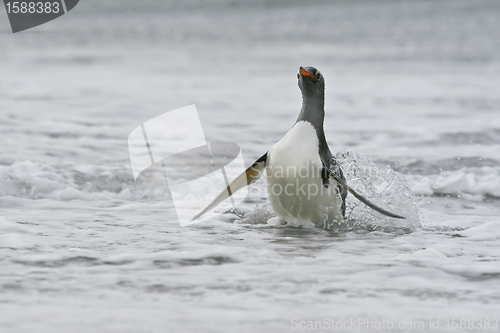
430	167
382	185
477	183
35	180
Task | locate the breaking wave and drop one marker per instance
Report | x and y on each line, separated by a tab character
35	180
477	183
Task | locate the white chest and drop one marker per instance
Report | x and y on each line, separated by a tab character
295	184
298	147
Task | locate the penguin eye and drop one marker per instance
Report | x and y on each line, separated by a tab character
318	75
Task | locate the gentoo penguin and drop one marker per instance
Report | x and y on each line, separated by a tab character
305	184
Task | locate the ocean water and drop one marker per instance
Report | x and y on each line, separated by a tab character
412	94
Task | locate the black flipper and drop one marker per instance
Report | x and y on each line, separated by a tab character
250	176
335	169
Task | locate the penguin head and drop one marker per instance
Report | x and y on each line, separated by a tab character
311	81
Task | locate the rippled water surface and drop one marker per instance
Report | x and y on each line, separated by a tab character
413	93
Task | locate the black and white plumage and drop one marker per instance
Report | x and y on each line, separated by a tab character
305	184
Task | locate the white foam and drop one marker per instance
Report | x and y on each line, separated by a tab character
485	232
477	182
37	180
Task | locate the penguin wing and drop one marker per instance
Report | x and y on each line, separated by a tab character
250	176
331	171
335	172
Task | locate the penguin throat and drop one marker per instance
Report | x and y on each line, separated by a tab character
313	110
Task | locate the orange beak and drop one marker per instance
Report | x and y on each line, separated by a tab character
304	72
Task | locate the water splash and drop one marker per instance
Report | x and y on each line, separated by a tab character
384	187
259	215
